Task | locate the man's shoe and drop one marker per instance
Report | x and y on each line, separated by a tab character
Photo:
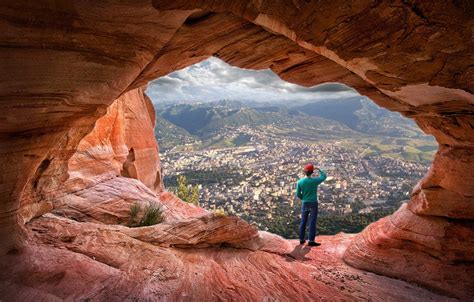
302	241
312	243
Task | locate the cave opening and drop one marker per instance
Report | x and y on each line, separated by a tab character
241	137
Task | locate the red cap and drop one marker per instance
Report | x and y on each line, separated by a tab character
309	168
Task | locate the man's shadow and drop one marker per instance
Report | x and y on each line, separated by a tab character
298	254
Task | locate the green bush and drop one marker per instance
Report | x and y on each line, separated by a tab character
189	194
134	211
152	214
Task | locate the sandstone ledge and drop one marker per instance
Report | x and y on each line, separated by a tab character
82	260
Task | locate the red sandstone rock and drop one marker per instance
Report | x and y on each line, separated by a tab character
63	63
176	209
424	241
82	260
206	230
431	251
202	231
268	242
122	142
448	188
109	202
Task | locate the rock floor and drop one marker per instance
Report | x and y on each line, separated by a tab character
69	260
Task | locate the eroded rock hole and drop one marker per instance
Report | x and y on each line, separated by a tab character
41	169
198	17
129	169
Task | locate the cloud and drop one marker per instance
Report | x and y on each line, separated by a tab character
214	79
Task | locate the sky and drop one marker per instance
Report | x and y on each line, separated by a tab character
213	80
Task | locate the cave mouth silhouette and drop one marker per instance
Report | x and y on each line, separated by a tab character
198	91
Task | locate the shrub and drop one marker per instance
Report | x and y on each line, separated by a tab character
152	214
134	211
219	212
185	192
194	196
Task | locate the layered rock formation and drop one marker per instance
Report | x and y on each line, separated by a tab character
64	63
69	260
432	235
122	142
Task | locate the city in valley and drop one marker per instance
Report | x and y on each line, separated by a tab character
257	181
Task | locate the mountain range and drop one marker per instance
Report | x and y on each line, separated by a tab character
207	125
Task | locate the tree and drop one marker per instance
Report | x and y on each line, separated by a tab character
194	198
182	190
357	206
187	192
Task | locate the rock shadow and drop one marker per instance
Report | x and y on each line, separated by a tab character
299	253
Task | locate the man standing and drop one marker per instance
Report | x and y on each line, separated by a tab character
307	191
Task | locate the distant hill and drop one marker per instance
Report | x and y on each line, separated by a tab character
170	135
362	115
193	118
203	120
357	113
355	121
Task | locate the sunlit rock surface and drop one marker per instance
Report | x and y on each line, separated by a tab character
75	261
64	65
121	143
432	251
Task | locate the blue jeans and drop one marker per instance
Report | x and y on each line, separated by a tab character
308	208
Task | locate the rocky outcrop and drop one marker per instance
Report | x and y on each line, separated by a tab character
73	260
109	202
432	251
122	142
64	63
430	239
448	188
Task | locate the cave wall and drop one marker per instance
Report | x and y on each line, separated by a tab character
122	143
64	62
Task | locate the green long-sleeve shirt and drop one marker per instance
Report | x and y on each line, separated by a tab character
307	187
